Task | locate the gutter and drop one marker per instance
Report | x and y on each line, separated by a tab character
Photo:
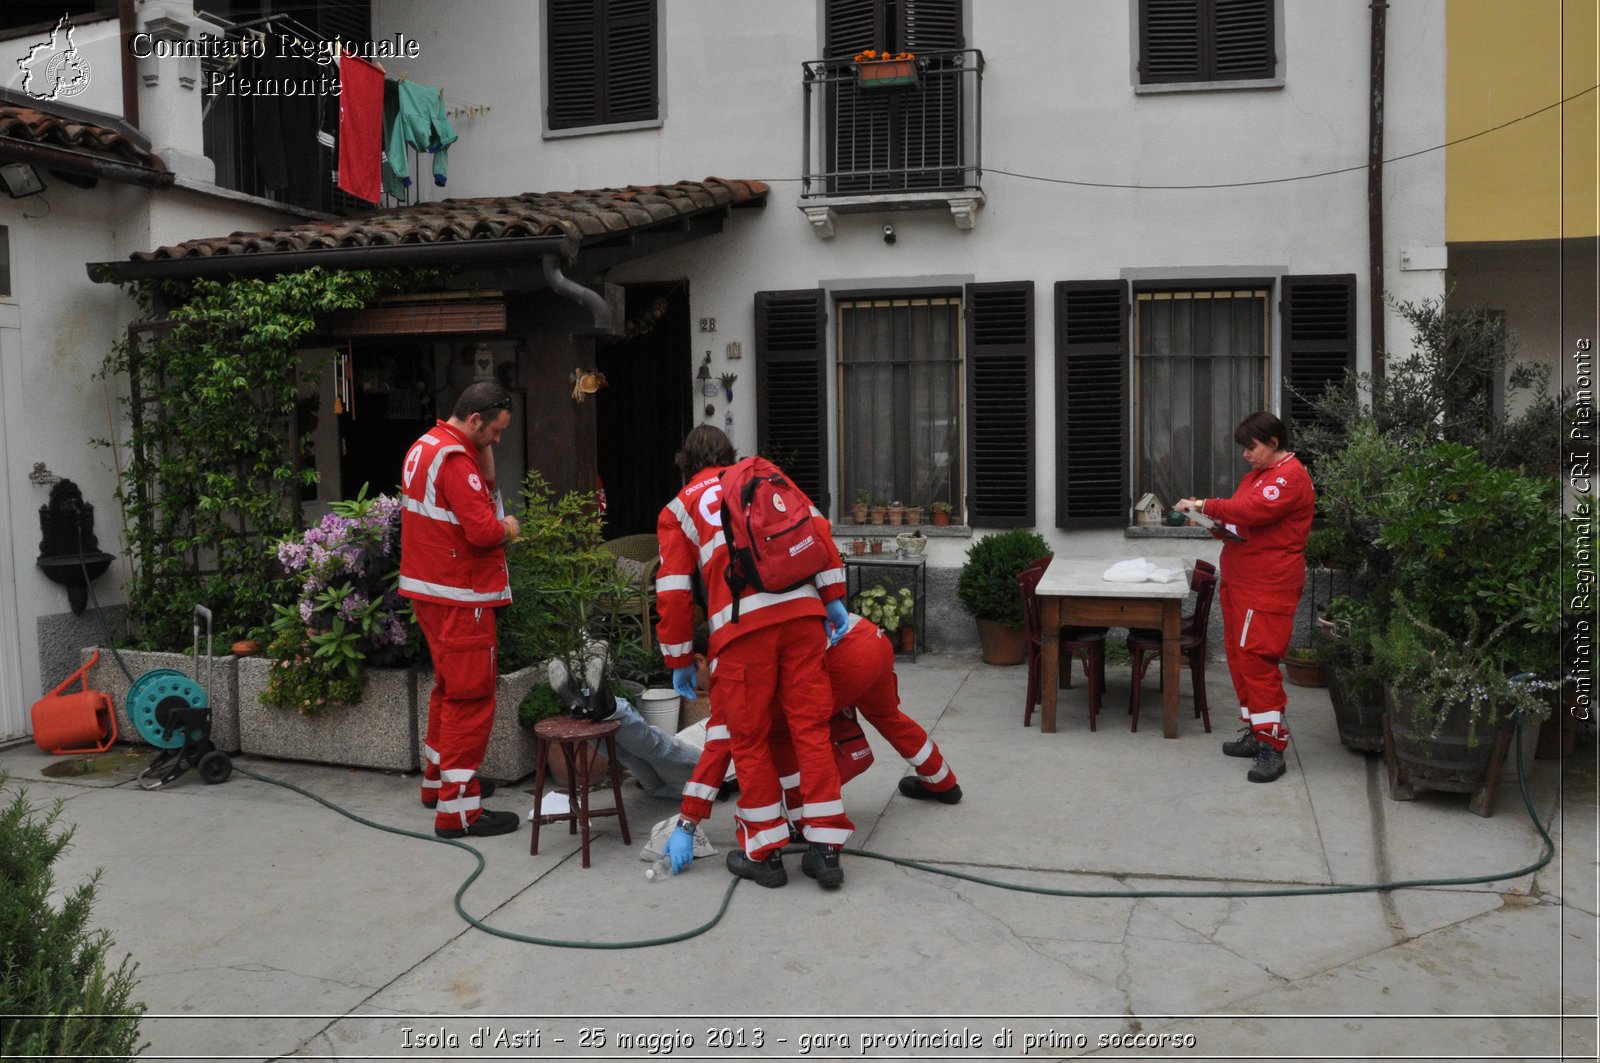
1375	252
55	158
465	254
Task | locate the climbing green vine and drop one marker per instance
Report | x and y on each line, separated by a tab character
208	481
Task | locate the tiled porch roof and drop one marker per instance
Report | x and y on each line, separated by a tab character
585	217
30	125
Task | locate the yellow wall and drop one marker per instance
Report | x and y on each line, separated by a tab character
1536	179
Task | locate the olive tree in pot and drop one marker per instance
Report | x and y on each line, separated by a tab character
1476	553
987	588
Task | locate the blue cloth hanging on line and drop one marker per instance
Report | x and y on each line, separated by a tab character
413	116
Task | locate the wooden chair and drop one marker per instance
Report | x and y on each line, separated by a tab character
1088	644
1144	644
637	606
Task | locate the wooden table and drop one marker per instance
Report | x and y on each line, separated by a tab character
1073	593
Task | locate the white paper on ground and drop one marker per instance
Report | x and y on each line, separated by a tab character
555	803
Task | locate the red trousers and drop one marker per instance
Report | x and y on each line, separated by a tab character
774	669
461	708
1255	641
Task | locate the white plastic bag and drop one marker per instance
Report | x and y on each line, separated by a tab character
1134	570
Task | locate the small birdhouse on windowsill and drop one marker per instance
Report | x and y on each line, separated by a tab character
1148	511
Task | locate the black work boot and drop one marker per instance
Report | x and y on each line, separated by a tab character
768	872
822	864
487	825
1268	766
912	787
1243	746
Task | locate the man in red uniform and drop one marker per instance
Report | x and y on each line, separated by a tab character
1260	581
768	660
861	674
453	568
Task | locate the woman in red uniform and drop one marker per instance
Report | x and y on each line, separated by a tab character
1260	582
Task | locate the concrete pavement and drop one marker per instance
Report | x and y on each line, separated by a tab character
267	926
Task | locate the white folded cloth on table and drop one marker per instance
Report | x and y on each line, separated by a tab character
1138	570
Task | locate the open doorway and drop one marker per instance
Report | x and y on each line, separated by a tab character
645	411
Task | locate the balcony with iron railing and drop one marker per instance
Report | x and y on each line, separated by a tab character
901	137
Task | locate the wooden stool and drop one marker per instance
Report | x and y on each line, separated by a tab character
569	735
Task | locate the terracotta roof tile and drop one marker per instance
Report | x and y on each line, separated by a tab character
41	127
585	214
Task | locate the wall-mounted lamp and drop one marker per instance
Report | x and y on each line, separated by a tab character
20	180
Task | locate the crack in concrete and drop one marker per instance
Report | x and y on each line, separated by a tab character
1380	851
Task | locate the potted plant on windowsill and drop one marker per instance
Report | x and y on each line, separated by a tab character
941	514
987	588
858	510
880	70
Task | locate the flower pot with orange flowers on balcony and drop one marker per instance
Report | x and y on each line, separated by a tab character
880	70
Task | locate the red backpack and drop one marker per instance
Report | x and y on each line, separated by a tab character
774	542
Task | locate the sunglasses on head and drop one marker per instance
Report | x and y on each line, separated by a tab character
494	407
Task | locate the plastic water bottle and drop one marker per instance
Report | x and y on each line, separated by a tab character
658	870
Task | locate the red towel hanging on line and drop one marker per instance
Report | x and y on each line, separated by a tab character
360	128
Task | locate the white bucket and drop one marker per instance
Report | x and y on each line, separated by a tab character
659	706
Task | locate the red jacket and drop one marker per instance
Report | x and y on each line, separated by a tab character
1272	509
452	546
689	530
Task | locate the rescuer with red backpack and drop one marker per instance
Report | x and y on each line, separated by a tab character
774	586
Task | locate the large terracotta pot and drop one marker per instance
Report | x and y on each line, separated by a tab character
1002	644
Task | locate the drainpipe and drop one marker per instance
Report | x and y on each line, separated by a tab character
564	286
1379	10
130	77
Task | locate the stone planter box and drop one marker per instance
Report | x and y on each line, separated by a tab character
221	686
379	731
510	755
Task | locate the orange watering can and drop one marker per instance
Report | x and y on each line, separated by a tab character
70	723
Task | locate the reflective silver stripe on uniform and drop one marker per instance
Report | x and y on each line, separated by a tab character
685	521
457	775
459	804
938	776
829	577
1276	716
815	512
755	842
673	583
700	790
922	754
431	512
430	754
431	784
821	808
718	732
751	602
709	549
677	649
1244	632
826	835
789	782
430	485
454	594
772	811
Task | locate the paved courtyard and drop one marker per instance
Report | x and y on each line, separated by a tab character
267	926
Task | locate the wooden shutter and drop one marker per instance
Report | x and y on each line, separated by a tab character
1319	340
927	26
1000	484
791	387
852	26
1206	40
1091	404
601	63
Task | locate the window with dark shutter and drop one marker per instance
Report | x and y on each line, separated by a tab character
1000	404
601	65
1319	340
791	389
1091	404
909	138
1206	40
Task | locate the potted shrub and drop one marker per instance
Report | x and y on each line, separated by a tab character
1355	683
941	513
1303	666
335	688
858	510
891	610
987	588
1475	556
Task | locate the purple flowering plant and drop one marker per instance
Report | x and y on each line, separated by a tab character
348	614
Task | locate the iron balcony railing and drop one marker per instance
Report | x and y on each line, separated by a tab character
916	132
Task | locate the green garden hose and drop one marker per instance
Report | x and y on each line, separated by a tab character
727	896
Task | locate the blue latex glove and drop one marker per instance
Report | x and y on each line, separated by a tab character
680	849
837	619
683	681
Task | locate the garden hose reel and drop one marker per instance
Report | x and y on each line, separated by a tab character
172	712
